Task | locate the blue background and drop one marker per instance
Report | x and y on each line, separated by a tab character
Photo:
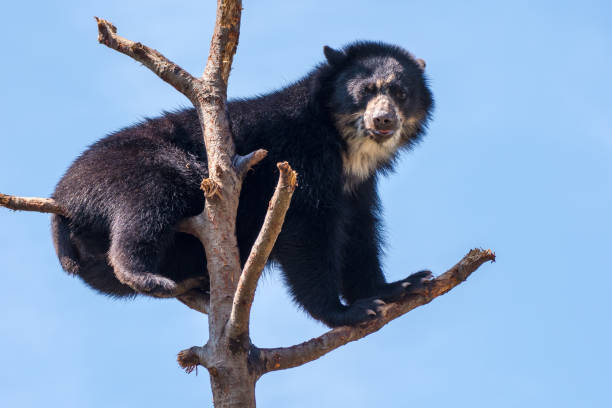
517	159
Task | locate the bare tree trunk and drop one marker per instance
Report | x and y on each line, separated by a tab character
234	364
226	357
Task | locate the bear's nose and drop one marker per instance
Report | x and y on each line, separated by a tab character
384	120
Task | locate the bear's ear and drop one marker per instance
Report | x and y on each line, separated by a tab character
334	57
421	63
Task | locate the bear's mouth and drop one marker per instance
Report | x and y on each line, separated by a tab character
380	136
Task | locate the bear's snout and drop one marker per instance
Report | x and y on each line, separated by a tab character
381	117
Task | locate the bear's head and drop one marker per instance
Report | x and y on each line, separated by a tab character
380	102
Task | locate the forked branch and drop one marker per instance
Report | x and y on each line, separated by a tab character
288	357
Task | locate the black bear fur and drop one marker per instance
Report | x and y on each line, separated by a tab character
338	127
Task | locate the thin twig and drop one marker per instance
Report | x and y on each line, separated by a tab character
42	205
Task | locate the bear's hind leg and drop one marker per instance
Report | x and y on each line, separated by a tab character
135	254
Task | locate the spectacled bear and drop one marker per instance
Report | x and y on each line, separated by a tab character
339	127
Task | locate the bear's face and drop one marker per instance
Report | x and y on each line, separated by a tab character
380	103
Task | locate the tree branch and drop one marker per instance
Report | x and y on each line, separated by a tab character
42	205
288	357
210	102
150	58
238	323
224	41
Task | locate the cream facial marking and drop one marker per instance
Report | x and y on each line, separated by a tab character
365	150
381	117
380	83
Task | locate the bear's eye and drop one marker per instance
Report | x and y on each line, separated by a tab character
368	90
401	95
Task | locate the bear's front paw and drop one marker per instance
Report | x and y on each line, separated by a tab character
362	310
415	283
392	292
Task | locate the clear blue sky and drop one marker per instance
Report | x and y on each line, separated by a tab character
517	159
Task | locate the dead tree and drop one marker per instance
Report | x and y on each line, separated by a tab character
233	362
